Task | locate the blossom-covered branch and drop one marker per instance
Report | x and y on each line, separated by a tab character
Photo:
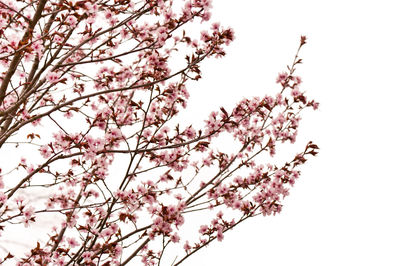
90	97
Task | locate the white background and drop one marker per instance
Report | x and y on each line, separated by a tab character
345	208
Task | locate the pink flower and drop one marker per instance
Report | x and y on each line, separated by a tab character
146	133
71	20
45	152
206	162
57	38
229	35
187	247
92	220
206	16
107	233
165	129
68	114
25	115
203	229
91	20
237	204
117	253
281	77
90	7
279	174
295	92
220	235
175	238
52	77
30	169
114	227
108	14
37	47
72	242
297	80
113	21
87	255
190	133
61	262
115	133
215	26
26	222
28	212
295	174
3	198
204	36
13	41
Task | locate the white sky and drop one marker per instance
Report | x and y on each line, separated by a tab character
345	208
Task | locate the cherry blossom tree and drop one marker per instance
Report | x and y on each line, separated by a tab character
90	97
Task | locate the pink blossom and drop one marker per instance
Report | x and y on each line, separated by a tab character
25	115
206	162
295	92
114	228
175	238
203	229
91	20
237	204
72	242
113	21
108	14
190	132
297	80
61	262
215	26
45	151
117	253
91	8
68	114
13	41
30	169
52	77
147	133
187	247
295	174
204	36
206	16
37	47
107	233
57	38
279	174
3	198
28	212
87	255
92	220
282	77
220	235
71	20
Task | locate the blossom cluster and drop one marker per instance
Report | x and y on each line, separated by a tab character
91	88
